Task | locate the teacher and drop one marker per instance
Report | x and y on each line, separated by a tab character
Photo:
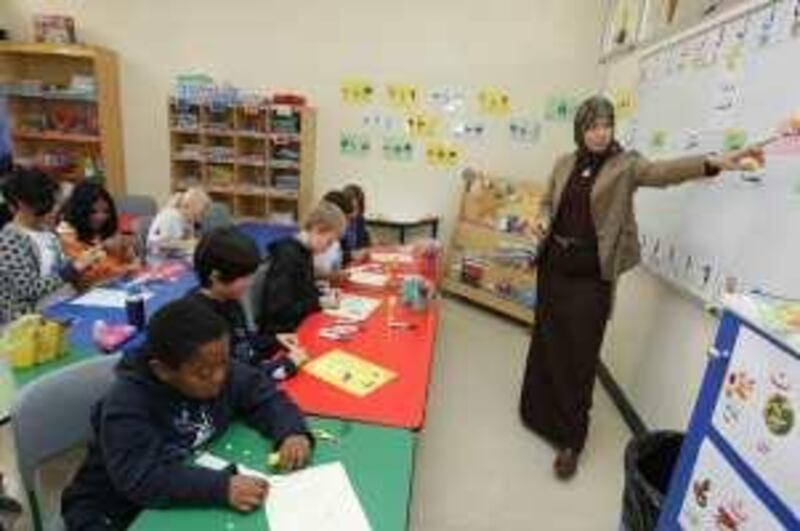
590	238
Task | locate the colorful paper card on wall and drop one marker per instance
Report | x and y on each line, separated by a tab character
469	129
624	102
422	125
349	373
354	144
734	139
357	91
402	95
493	101
379	122
560	108
448	99
398	148
525	130
442	154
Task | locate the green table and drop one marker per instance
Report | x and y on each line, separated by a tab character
378	460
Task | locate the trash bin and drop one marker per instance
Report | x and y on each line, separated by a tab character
649	462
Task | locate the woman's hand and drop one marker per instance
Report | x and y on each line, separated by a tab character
748	159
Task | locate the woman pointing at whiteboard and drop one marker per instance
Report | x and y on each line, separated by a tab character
590	238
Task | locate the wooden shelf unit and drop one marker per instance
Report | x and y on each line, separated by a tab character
52	122
243	159
491	249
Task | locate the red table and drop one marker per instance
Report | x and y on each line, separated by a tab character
409	353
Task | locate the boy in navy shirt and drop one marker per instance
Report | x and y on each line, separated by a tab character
225	260
178	392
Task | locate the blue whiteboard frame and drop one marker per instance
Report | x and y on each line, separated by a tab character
701	429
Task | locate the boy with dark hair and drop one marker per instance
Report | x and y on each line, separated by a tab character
169	399
225	260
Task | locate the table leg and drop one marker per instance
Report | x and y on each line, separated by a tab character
402	234
435	228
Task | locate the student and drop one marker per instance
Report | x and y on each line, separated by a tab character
224	261
290	293
357	235
175	224
89	220
169	399
328	265
32	264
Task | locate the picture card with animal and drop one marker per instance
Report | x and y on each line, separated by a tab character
448	99
422	125
354	144
349	373
468	129
402	95
719	499
494	101
758	411
398	148
442	154
357	91
525	130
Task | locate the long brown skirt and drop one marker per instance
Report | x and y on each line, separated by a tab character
573	305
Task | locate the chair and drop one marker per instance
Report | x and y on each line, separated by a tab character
137	205
217	215
52	415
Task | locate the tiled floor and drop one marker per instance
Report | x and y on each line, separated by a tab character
477	468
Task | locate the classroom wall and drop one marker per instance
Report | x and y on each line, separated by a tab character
532	48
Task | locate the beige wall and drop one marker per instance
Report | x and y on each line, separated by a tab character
531	47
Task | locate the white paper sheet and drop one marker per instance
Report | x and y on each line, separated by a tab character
321	497
354	308
366	278
384	258
105	298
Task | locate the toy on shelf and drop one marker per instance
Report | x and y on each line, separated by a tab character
31	340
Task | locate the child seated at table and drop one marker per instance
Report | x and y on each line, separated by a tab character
356	234
32	263
225	261
89	220
168	400
328	265
289	293
175	226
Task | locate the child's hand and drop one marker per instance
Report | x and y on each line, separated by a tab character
246	493
295	451
88	258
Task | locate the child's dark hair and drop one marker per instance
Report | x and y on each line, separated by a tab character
226	253
180	328
32	188
78	211
339	199
355	194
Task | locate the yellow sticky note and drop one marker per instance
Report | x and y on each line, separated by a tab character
349	373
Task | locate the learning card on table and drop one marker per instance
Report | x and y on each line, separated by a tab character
354	308
390	258
368	278
349	373
104	298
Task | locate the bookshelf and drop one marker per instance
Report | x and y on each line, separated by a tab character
257	158
64	111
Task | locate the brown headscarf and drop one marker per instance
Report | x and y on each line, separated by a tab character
591	110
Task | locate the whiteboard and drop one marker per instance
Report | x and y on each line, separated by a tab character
738	79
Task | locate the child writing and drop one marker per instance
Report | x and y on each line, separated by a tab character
89	220
224	261
32	264
174	227
290	292
328	265
168	400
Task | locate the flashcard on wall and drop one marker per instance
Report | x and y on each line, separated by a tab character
422	125
734	139
379	122
658	140
442	154
525	130
357	91
354	144
733	43
494	101
398	148
624	102
719	499
402	95
469	129
448	99
560	108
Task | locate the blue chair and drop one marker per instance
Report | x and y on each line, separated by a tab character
50	416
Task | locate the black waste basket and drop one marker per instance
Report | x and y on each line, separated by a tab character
649	462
